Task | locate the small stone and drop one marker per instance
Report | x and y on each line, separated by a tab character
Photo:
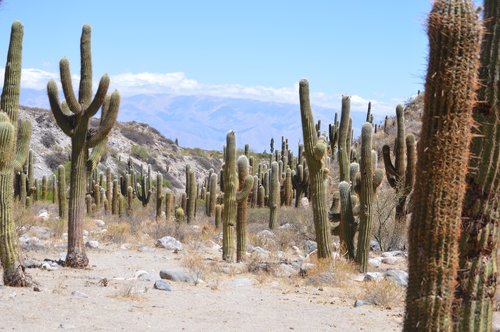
79	294
243	282
125	246
143	275
310	246
374	245
374	262
43	215
395	253
304	202
100	223
266	234
67	326
93	244
398	276
48	266
260	251
169	243
360	303
162	285
177	274
85	232
390	260
144	248
373	276
286	226
36	289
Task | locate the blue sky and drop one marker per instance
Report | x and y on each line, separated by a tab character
260	49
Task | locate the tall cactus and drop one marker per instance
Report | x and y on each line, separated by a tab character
13	155
62	199
477	273
73	117
368	180
232	194
274	196
315	151
454	39
401	174
159	195
245	180
212	187
190	195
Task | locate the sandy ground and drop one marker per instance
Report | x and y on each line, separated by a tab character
78	300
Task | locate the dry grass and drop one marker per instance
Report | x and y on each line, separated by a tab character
383	293
131	291
118	232
195	263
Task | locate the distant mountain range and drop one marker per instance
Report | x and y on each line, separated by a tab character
203	121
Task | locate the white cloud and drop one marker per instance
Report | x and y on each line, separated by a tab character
178	84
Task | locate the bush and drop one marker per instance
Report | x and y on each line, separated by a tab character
139	152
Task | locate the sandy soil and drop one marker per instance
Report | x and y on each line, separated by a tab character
78	300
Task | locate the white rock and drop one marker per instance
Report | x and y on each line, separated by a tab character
43	215
304	202
373	276
374	261
100	223
169	243
92	244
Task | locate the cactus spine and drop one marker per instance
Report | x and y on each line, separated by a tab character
76	126
315	152
13	155
454	40
475	294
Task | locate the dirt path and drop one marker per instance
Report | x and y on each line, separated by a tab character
78	300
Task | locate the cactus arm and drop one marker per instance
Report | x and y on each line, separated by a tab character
107	121
245	191
390	170
96	154
99	98
7	140
85	91
67	86
64	121
23	145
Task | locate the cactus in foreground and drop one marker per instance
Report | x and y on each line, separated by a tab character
73	117
315	152
245	181
13	155
475	292
232	195
454	39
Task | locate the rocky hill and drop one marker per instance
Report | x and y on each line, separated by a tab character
144	144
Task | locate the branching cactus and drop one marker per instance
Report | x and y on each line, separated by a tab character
274	196
245	180
454	40
300	181
13	154
231	197
401	174
477	273
315	152
73	117
144	189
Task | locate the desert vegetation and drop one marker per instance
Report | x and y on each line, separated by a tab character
414	239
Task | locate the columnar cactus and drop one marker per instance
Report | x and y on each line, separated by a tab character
159	195
333	132
300	181
13	155
368	180
109	185
274	195
115	202
218	215
245	181
73	117
130	200
54	189
212	188
144	190
477	273
45	188
401	174
454	39
191	195
232	195
168	205
61	184
315	150
344	148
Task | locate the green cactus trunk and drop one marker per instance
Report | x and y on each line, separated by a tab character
191	196
274	193
230	203
168	206
241	216
61	183
315	151
477	276
454	39
13	155
76	256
